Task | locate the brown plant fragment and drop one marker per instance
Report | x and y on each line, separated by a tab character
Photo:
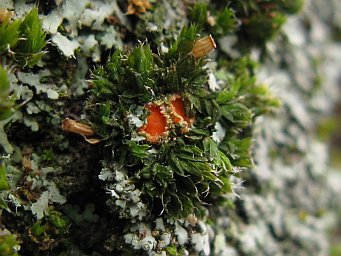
138	7
203	47
85	130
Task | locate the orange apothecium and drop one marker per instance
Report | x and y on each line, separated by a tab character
178	114
156	126
170	112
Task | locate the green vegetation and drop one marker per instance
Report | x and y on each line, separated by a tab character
189	169
171	127
23	40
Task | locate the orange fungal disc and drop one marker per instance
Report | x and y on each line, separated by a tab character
156	126
178	114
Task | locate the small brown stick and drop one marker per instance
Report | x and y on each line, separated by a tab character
203	47
85	130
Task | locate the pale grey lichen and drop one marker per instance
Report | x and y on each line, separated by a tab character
50	193
201	242
219	134
155	237
67	46
125	198
181	234
212	82
143	239
76	16
40	208
28	87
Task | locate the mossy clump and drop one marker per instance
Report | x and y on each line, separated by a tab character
186	167
23	40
